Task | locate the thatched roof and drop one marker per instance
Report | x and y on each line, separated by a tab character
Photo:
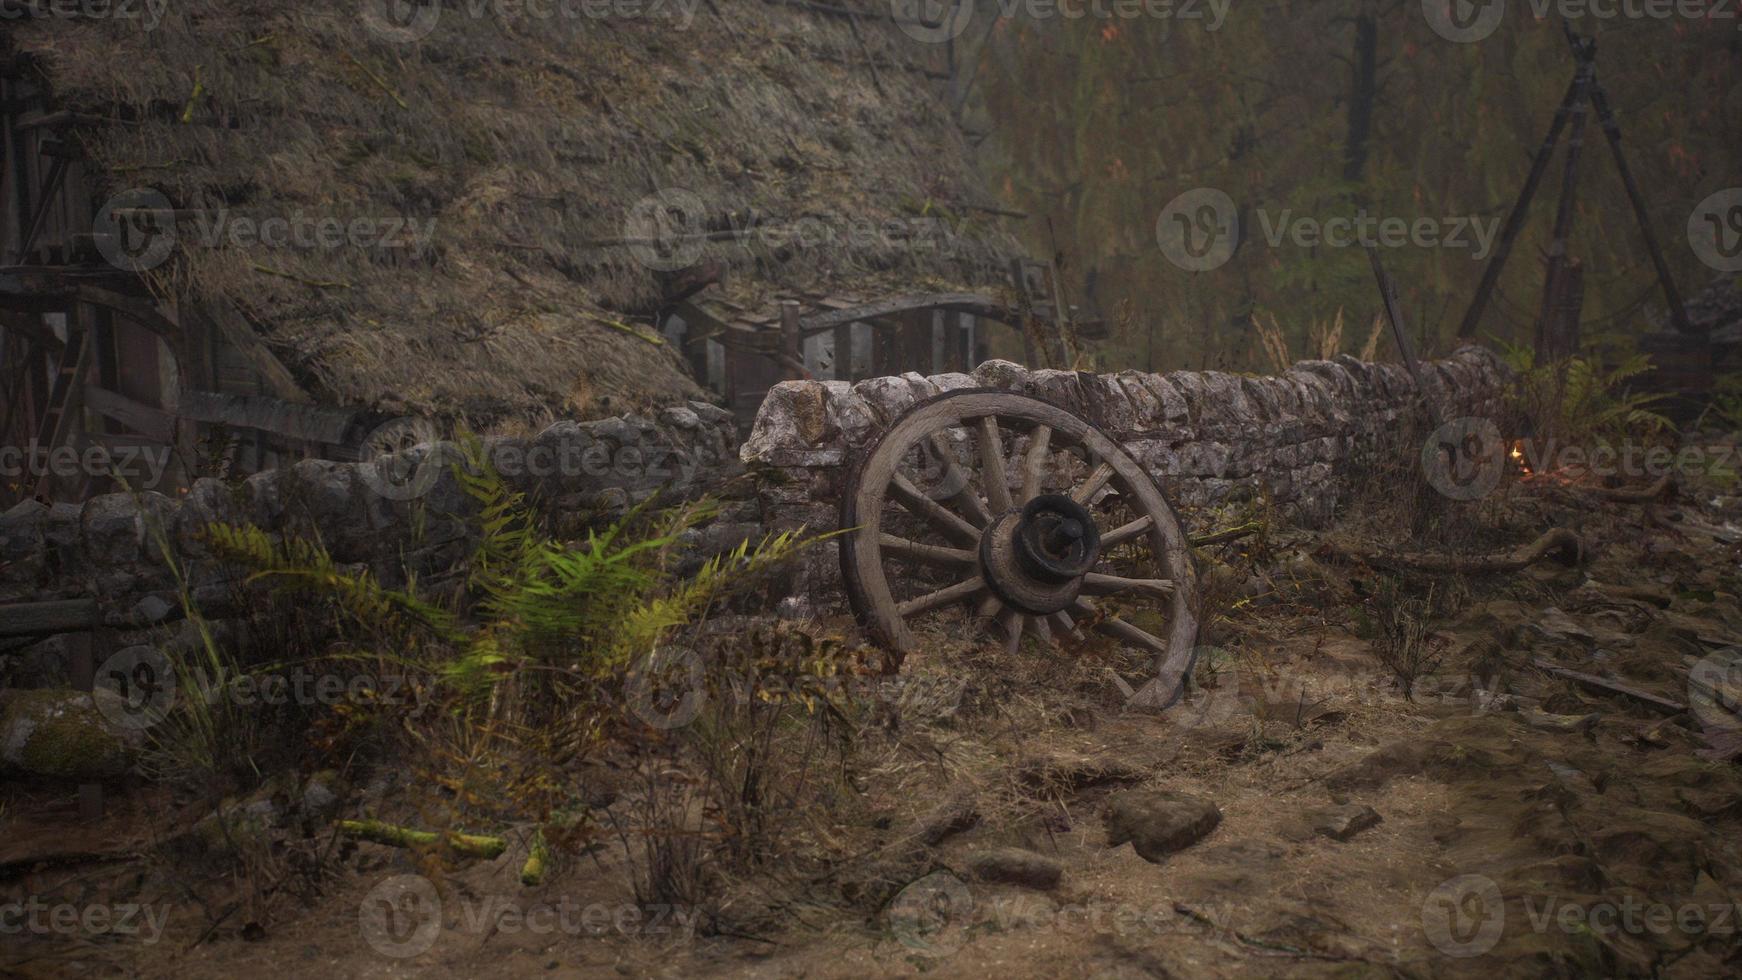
527	142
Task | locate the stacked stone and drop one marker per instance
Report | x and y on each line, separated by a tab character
109	547
1209	437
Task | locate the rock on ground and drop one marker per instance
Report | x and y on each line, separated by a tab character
1015	866
1159	822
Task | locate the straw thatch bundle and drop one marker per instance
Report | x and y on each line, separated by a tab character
520	136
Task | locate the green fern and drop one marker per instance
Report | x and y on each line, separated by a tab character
587	607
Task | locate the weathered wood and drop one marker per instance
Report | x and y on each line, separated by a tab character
329	426
974	303
235	329
878	481
791	340
155	424
1560	544
48	618
1603	685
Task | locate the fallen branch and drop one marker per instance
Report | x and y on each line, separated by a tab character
1560	544
1624	495
470	845
1592	682
1230	534
1632	496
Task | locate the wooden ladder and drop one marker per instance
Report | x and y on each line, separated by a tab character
55	425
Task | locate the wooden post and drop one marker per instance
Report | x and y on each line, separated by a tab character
1563	222
791	341
844	353
1520	207
1612	130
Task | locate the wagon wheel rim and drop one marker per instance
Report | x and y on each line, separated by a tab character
995	520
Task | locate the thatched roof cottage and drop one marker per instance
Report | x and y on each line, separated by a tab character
290	220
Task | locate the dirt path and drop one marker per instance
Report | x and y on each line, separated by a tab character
1527	824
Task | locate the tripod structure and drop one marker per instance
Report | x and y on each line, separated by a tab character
1562	285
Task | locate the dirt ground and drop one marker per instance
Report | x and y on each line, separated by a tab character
1529	824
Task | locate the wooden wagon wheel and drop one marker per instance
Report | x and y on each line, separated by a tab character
1037	528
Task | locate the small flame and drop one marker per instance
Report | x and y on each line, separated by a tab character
1517	455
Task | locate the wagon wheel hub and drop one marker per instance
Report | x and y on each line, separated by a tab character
1034	559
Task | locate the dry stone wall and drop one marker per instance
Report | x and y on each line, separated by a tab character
393	515
1210	438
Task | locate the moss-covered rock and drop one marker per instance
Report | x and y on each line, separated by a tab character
61	734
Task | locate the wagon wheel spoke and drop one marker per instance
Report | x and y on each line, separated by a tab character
992	465
1115	627
1127	532
1099	584
1097	479
1039	443
965	498
943	597
1042	630
1062	622
939	516
1012	622
929	554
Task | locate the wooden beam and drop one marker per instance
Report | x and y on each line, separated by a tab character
236	329
978	305
153	423
328	426
48	618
